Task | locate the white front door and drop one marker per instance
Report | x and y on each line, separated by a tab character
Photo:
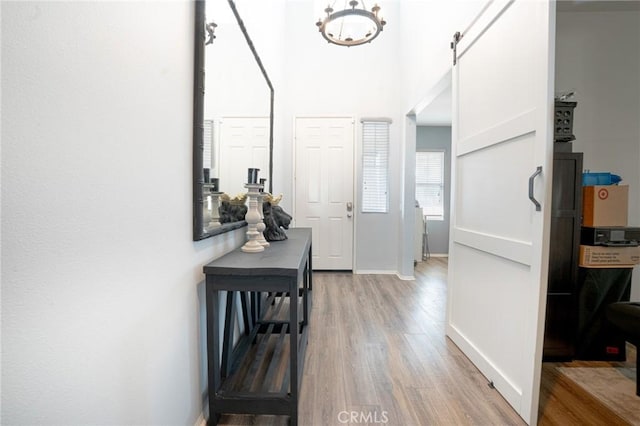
324	188
502	111
244	144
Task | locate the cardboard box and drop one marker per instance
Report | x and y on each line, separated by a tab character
609	257
605	205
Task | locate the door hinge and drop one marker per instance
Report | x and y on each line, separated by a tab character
454	45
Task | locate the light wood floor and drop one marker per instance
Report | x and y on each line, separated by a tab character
562	402
377	348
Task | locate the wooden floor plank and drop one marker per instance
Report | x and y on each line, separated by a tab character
378	350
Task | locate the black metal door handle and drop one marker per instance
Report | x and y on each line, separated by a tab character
531	197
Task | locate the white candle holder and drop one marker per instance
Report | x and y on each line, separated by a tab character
215	209
253	217
261	226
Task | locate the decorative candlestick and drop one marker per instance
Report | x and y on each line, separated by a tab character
253	218
261	226
215	209
252	175
206	213
215	185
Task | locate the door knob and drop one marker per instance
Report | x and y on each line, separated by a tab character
349	206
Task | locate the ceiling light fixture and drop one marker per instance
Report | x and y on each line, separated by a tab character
351	26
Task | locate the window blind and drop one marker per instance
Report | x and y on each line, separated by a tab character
375	166
430	182
207	155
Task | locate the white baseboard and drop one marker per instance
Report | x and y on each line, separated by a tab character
439	255
406	277
385	272
201	420
374	272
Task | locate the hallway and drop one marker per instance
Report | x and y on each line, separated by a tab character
378	355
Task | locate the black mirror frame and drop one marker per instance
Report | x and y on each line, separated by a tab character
198	120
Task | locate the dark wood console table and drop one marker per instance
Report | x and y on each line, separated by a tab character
262	372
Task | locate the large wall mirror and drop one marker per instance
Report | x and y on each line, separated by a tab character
233	115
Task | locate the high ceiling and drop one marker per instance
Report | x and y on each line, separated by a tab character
438	112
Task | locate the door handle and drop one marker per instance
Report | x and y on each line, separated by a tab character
531	179
349	206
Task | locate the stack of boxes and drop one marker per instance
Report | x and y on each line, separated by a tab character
607	256
607	206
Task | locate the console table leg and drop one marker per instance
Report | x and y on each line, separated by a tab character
247	318
227	345
294	329
213	350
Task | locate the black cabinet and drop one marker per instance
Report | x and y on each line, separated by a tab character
566	210
596	339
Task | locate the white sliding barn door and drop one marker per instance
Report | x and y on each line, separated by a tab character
502	111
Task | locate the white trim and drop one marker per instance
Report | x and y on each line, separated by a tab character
200	421
406	277
387	272
487	16
443	83
374	272
509	129
437	255
376	120
517	251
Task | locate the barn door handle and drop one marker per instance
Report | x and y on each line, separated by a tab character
531	179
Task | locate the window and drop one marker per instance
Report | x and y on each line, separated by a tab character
430	183
207	154
375	166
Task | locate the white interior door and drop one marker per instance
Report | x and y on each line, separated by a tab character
244	144
324	188
502	111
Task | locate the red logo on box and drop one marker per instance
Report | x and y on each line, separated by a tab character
613	350
603	194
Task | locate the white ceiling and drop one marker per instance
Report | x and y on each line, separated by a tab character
438	112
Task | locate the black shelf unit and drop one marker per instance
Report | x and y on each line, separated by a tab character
562	292
596	339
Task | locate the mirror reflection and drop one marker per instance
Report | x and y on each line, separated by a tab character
236	128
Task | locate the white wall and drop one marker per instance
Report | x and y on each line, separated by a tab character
231	71
388	78
427	30
428	27
101	293
598	56
330	80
